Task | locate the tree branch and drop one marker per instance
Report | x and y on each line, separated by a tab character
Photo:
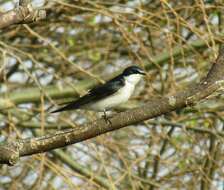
103	182
214	81
23	14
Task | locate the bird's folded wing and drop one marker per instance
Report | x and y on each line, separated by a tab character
94	95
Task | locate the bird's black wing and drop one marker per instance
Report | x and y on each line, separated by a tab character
95	94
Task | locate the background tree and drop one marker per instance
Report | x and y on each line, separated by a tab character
81	43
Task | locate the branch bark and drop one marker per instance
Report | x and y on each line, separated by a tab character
11	152
23	14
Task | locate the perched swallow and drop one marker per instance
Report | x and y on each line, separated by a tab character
108	95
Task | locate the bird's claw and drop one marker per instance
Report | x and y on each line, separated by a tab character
107	119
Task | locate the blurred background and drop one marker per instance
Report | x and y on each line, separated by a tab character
83	43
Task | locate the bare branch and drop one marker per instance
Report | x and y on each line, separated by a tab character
23	14
81	170
24	2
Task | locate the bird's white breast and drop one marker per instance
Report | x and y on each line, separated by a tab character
121	96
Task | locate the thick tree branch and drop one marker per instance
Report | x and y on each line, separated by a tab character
23	14
214	81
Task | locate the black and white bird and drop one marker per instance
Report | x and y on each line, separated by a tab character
108	95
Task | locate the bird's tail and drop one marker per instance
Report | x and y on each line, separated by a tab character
76	104
70	106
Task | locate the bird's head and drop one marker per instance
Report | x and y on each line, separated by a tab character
133	74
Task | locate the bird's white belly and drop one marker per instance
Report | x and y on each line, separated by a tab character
121	96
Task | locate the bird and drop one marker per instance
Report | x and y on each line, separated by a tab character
111	94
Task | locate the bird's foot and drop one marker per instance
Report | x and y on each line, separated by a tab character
106	118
